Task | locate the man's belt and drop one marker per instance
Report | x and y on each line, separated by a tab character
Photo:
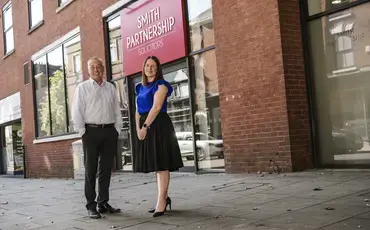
99	126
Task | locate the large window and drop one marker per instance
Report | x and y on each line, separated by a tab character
207	117
200	24
56	75
35	12
340	59
318	6
8	28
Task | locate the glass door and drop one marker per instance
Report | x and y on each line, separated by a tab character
179	109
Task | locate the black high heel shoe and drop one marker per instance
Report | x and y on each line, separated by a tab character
168	203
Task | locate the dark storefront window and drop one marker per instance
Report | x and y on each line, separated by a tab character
318	6
340	59
200	24
56	75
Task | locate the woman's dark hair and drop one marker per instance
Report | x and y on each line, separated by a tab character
158	75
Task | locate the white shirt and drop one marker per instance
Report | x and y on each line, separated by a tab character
95	104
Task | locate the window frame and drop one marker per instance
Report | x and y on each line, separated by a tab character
39	23
6	7
46	53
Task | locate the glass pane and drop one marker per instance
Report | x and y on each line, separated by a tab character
116	47
318	6
72	66
42	97
200	24
207	115
9	39
8	18
179	111
36	12
340	55
124	140
57	92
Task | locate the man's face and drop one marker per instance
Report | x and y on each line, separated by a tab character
96	69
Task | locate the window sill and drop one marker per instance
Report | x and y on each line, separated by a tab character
55	139
9	53
344	70
35	27
64	5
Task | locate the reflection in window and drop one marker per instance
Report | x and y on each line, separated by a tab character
318	6
341	70
41	94
35	12
72	59
207	116
114	51
8	27
55	82
200	24
124	159
57	94
115	44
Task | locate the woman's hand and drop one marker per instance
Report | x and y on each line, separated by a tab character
142	133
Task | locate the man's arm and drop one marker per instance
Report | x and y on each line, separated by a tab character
78	108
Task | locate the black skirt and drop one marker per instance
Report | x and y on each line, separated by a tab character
159	151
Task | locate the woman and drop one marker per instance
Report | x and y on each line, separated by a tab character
158	149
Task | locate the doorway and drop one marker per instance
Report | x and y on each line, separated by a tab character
11	154
179	109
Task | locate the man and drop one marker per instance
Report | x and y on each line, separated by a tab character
97	118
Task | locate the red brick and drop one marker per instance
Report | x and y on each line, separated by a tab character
260	66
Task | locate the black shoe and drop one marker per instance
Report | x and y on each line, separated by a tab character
168	202
105	207
93	214
158	214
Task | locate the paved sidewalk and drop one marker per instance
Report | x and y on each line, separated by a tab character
309	200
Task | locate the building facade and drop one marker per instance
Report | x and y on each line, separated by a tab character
258	86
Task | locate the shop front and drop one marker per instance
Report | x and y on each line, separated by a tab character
338	47
180	33
11	150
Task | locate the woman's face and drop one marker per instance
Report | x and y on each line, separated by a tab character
150	69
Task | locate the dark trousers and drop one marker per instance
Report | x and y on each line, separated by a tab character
100	148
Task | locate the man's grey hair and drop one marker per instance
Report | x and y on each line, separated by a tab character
94	58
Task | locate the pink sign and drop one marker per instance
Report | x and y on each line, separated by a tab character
152	28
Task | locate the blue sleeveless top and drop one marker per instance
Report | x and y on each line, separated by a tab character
145	96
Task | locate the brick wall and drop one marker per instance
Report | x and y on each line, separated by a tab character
54	159
295	83
260	125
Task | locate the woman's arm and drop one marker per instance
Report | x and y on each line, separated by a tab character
137	119
159	98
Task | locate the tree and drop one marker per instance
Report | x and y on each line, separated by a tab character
57	106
